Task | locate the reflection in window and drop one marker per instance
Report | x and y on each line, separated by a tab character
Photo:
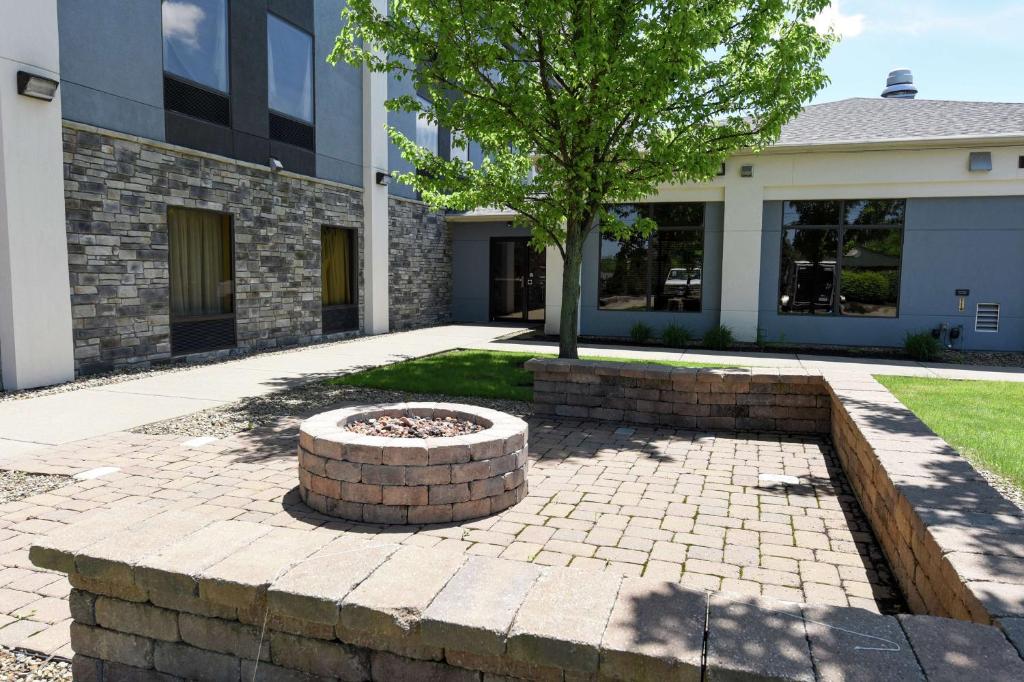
663	272
808	271
863	276
870	278
290	69
426	130
195	36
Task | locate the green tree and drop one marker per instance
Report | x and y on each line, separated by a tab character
578	104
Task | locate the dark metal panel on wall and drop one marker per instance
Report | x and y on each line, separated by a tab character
248	41
198	134
294	159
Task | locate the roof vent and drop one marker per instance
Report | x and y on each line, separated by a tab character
900	85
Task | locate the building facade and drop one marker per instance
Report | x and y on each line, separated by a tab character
201	182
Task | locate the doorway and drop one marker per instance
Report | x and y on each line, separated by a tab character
518	277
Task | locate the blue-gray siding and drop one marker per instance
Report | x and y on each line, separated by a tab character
950	243
471	265
595	322
111	62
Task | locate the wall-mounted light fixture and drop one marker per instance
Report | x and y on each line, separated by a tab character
39	87
383	179
746	171
275	165
979	161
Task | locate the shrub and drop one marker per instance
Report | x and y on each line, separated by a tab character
718	338
867	286
921	346
676	336
641	333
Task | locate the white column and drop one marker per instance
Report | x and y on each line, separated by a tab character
741	253
36	346
375	198
554	266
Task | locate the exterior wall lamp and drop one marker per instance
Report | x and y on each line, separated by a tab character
383	179
36	86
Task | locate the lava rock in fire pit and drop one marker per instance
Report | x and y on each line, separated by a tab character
413	427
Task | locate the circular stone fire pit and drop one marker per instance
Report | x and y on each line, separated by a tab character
379	479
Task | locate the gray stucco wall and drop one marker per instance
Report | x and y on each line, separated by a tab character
111	62
339	109
595	322
950	243
471	265
406	122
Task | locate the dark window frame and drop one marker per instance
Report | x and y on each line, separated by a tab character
312	76
193	319
353	276
841	228
647	208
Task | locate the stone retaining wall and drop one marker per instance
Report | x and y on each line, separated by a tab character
954	543
682	397
172	596
412	480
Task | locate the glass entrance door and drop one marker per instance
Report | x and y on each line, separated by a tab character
517	281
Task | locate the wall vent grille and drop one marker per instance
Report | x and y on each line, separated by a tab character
986	319
290	131
188	99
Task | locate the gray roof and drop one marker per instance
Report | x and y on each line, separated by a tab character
861	120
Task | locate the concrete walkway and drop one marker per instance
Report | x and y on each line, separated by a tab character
822	363
35	422
32	423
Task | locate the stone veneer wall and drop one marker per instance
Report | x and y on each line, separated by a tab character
173	595
420	263
117	190
955	544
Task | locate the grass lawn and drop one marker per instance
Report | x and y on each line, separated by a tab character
480	373
984	420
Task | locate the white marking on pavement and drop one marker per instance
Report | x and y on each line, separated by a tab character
778	478
96	473
199	442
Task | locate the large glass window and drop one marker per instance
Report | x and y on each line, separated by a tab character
290	69
841	257
201	272
426	130
662	272
195	36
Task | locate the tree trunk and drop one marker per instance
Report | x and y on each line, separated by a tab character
568	331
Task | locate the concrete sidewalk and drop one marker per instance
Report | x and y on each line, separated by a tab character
35	422
822	363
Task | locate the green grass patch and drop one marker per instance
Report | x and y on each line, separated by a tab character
984	420
478	373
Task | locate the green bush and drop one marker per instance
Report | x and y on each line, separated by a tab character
676	336
718	338
921	346
867	286
641	333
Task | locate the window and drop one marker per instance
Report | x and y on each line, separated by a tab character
195	34
338	269
201	279
290	70
841	257
426	130
459	147
663	272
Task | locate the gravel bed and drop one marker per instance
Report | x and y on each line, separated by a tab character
281	409
26	667
14	485
413	427
983	358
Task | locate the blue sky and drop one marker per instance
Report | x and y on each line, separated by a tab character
957	49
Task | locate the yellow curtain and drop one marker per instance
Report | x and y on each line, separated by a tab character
200	262
336	246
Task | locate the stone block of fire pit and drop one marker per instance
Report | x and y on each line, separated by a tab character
412	463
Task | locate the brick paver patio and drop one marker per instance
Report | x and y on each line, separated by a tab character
711	511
